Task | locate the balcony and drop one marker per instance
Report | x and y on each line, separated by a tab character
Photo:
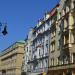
43	57
48	30
44	32
67	46
40	23
29	61
28	70
35	38
40	70
34	60
61	67
70	27
65	31
40	45
39	34
53	39
53	36
46	54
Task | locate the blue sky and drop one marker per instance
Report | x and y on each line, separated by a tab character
20	15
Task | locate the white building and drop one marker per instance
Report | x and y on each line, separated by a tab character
37	47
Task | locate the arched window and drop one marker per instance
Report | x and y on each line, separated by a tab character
67	8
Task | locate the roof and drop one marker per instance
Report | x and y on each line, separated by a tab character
8	48
21	41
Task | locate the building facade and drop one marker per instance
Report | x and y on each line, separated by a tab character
37	48
51	46
11	59
62	59
27	53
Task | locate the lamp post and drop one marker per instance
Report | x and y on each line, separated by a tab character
4	30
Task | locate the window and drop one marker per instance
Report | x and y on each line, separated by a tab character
27	49
66	39
43	50
67	20
39	52
58	29
50	23
53	46
63	12
60	15
47	45
59	44
58	60
62	25
53	34
41	64
67	8
52	61
43	28
73	58
72	38
65	23
72	4
46	62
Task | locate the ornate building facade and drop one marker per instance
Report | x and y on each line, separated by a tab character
65	28
52	47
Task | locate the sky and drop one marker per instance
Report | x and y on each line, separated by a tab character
20	16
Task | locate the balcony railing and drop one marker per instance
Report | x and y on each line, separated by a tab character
65	66
40	45
67	46
40	70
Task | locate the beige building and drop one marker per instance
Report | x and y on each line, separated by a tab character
11	59
62	48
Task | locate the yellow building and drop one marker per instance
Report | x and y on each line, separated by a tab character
11	59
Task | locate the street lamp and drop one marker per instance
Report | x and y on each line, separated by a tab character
4	31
